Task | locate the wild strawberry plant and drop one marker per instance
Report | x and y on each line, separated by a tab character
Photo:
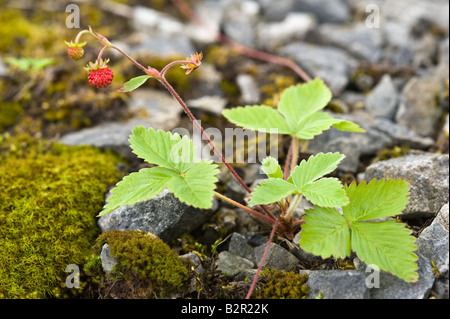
344	218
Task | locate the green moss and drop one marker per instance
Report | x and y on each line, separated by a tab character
146	266
396	151
9	114
345	264
188	243
282	285
48	203
273	91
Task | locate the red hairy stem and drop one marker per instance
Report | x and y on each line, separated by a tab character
99	57
255	279
130	58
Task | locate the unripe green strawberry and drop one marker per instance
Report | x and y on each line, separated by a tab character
100	75
75	50
75	53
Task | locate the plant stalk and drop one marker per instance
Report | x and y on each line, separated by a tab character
295	150
247	209
292	207
288	161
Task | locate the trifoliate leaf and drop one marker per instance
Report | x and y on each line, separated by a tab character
137	187
260	118
326	192
325	233
270	191
196	186
298	113
134	83
271	167
163	148
315	167
192	183
387	244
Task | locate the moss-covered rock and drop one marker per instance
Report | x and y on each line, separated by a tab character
282	285
48	203
146	266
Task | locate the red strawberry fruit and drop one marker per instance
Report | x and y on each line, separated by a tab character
100	75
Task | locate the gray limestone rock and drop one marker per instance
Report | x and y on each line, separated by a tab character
107	136
418	109
331	64
336	11
277	257
238	246
163	215
231	264
384	285
383	100
337	284
108	261
358	40
433	241
427	175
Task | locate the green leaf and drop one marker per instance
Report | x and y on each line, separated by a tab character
348	126
196	186
137	187
163	148
260	118
315	167
192	183
298	113
326	192
376	200
270	191
300	101
134	83
271	167
388	245
30	64
325	233
314	124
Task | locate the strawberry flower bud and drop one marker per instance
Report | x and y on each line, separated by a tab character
193	62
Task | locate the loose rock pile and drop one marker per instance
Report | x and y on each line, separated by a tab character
391	80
